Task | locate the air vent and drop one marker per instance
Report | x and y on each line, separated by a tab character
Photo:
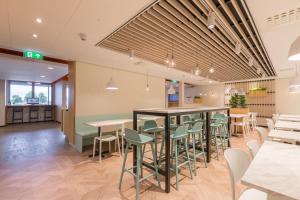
287	17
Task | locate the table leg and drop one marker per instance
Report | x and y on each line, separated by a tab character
97	151
178	119
229	126
134	147
208	138
167	152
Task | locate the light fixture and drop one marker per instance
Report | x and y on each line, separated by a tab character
34	35
167	59
110	85
294	83
131	54
237	49
263	75
42	76
294	51
172	61
50	68
258	70
211	70
197	70
250	61
171	89
211	20
147	85
200	94
39	20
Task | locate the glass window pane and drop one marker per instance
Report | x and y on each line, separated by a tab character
43	92
19	92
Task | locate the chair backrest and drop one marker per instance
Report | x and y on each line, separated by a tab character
262	133
270	124
181	131
253	115
237	161
196	116
219	116
197	127
148	124
253	147
186	118
133	137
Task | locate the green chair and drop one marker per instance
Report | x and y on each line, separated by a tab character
197	118
197	129
132	137
180	135
216	140
224	132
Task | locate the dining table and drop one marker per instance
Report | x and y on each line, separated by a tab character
284	136
275	170
167	114
291	119
287	125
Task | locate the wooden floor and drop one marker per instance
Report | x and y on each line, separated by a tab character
37	164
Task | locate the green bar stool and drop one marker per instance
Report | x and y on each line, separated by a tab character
215	135
197	129
132	137
197	118
151	129
180	134
187	120
224	133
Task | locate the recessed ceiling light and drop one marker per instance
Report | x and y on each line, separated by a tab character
39	20
211	70
42	76
34	35
50	68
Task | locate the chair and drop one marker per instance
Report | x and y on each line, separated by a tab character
197	129
245	124
216	139
262	133
187	120
48	113
270	124
238	161
253	120
33	113
275	117
106	138
253	147
132	137
17	115
224	132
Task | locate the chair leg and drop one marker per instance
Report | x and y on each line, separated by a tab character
176	163
137	175
100	150
94	148
155	164
188	157
194	154
161	150
141	160
118	143
123	166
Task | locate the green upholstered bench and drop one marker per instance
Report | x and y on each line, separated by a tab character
84	134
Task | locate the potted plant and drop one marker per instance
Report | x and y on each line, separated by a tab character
242	101
197	99
234	101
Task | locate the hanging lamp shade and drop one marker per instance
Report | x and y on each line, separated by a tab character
294	52
171	90
111	85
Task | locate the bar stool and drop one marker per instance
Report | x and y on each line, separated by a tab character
48	113
253	120
180	135
132	137
215	134
33	113
224	132
187	120
17	111
197	129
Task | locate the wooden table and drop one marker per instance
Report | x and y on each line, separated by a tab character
286	136
275	170
287	125
167	113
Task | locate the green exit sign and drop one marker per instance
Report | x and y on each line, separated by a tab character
33	55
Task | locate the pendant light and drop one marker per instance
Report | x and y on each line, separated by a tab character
172	61
147	85
171	89
131	54
167	60
295	82
211	70
211	20
250	61
294	51
111	85
197	70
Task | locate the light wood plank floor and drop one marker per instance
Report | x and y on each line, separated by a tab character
37	164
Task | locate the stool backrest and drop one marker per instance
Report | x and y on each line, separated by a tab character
149	124
181	131
253	147
237	161
186	118
262	133
132	136
196	116
197	127
219	116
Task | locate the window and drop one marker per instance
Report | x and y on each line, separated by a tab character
43	93
20	92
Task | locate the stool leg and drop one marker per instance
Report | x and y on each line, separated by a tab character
187	155
202	147
155	165
161	150
123	166
141	160
100	150
137	175
94	148
176	162
194	154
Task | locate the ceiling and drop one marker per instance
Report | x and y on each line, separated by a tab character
279	31
21	69
180	28
64	20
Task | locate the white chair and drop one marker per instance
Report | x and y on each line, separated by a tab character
275	117
106	138
253	120
245	124
238	161
262	133
253	147
270	124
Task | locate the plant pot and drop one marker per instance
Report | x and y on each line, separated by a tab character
239	110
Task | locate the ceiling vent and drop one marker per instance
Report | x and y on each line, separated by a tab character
284	18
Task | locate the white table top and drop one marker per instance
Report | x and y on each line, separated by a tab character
285	135
108	122
290	116
181	109
291	119
148	117
287	125
238	115
275	170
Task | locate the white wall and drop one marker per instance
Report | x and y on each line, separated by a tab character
214	97
288	103
59	98
93	99
2	102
